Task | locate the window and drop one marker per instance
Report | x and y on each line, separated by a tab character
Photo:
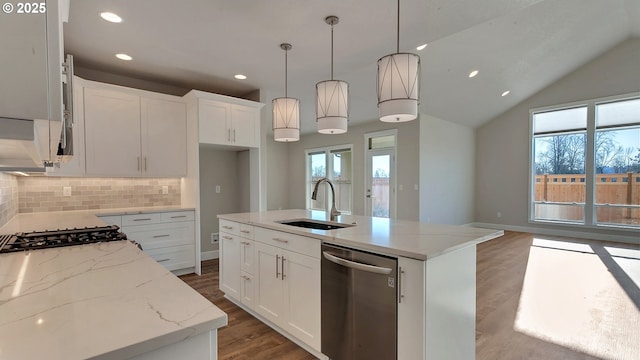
599	140
333	163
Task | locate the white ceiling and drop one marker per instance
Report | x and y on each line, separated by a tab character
517	45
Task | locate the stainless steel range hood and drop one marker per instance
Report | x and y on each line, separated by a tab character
32	91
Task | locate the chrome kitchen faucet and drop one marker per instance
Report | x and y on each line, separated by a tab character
334	212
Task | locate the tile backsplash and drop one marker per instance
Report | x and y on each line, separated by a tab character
8	197
41	194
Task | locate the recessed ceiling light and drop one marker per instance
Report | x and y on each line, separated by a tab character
473	73
124	57
421	47
505	93
239	76
111	17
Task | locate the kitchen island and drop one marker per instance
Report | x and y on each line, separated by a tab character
100	301
272	270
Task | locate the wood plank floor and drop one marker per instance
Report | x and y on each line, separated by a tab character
537	298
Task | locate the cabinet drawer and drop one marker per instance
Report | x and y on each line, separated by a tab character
161	235
174	258
300	244
246	231
230	227
177	216
141	219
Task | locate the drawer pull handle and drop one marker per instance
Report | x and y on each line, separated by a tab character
145	219
159	236
163	260
227	237
179	216
285	241
245	243
245	277
227	227
245	231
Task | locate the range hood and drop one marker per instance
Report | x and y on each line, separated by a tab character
34	118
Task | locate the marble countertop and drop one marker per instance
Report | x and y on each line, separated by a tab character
410	239
26	222
99	301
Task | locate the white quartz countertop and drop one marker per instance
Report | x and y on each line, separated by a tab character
100	301
410	239
26	222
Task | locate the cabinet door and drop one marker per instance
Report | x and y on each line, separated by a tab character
248	290
244	126
269	284
112	132
164	137
302	297
212	122
246	255
230	280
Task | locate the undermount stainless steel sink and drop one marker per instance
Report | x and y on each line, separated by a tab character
315	224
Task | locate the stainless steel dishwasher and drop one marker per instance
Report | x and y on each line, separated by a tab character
358	304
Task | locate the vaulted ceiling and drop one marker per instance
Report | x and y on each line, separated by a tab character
521	46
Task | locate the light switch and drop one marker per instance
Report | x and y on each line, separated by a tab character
165	189
217	189
66	191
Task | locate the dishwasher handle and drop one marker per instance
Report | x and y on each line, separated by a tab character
356	265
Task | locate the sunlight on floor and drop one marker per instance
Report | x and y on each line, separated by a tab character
572	296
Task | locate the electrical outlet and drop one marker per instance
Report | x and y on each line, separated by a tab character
217	189
214	238
499	214
165	189
66	191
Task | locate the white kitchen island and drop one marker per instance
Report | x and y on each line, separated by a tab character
436	267
99	301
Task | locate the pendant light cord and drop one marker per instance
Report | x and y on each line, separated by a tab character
286	80
331	51
398	30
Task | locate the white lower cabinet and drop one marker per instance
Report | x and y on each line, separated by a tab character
236	271
168	237
288	291
276	275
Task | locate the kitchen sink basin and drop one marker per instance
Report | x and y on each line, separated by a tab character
315	224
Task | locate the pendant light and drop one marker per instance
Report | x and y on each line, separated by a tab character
286	110
332	98
398	84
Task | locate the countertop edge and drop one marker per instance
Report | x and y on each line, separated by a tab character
333	239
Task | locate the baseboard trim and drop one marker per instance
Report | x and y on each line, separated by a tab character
209	255
558	232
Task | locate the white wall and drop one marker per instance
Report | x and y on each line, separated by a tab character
446	171
502	156
228	170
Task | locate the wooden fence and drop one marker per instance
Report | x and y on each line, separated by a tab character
610	189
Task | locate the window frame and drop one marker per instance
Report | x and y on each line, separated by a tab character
590	206
328	163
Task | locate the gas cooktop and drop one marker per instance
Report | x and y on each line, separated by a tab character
50	239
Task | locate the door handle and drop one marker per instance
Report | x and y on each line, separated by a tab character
356	265
277	272
283	275
400	294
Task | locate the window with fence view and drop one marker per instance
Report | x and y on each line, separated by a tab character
586	164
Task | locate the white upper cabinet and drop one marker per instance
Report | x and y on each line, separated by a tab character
226	121
112	132
164	137
134	134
